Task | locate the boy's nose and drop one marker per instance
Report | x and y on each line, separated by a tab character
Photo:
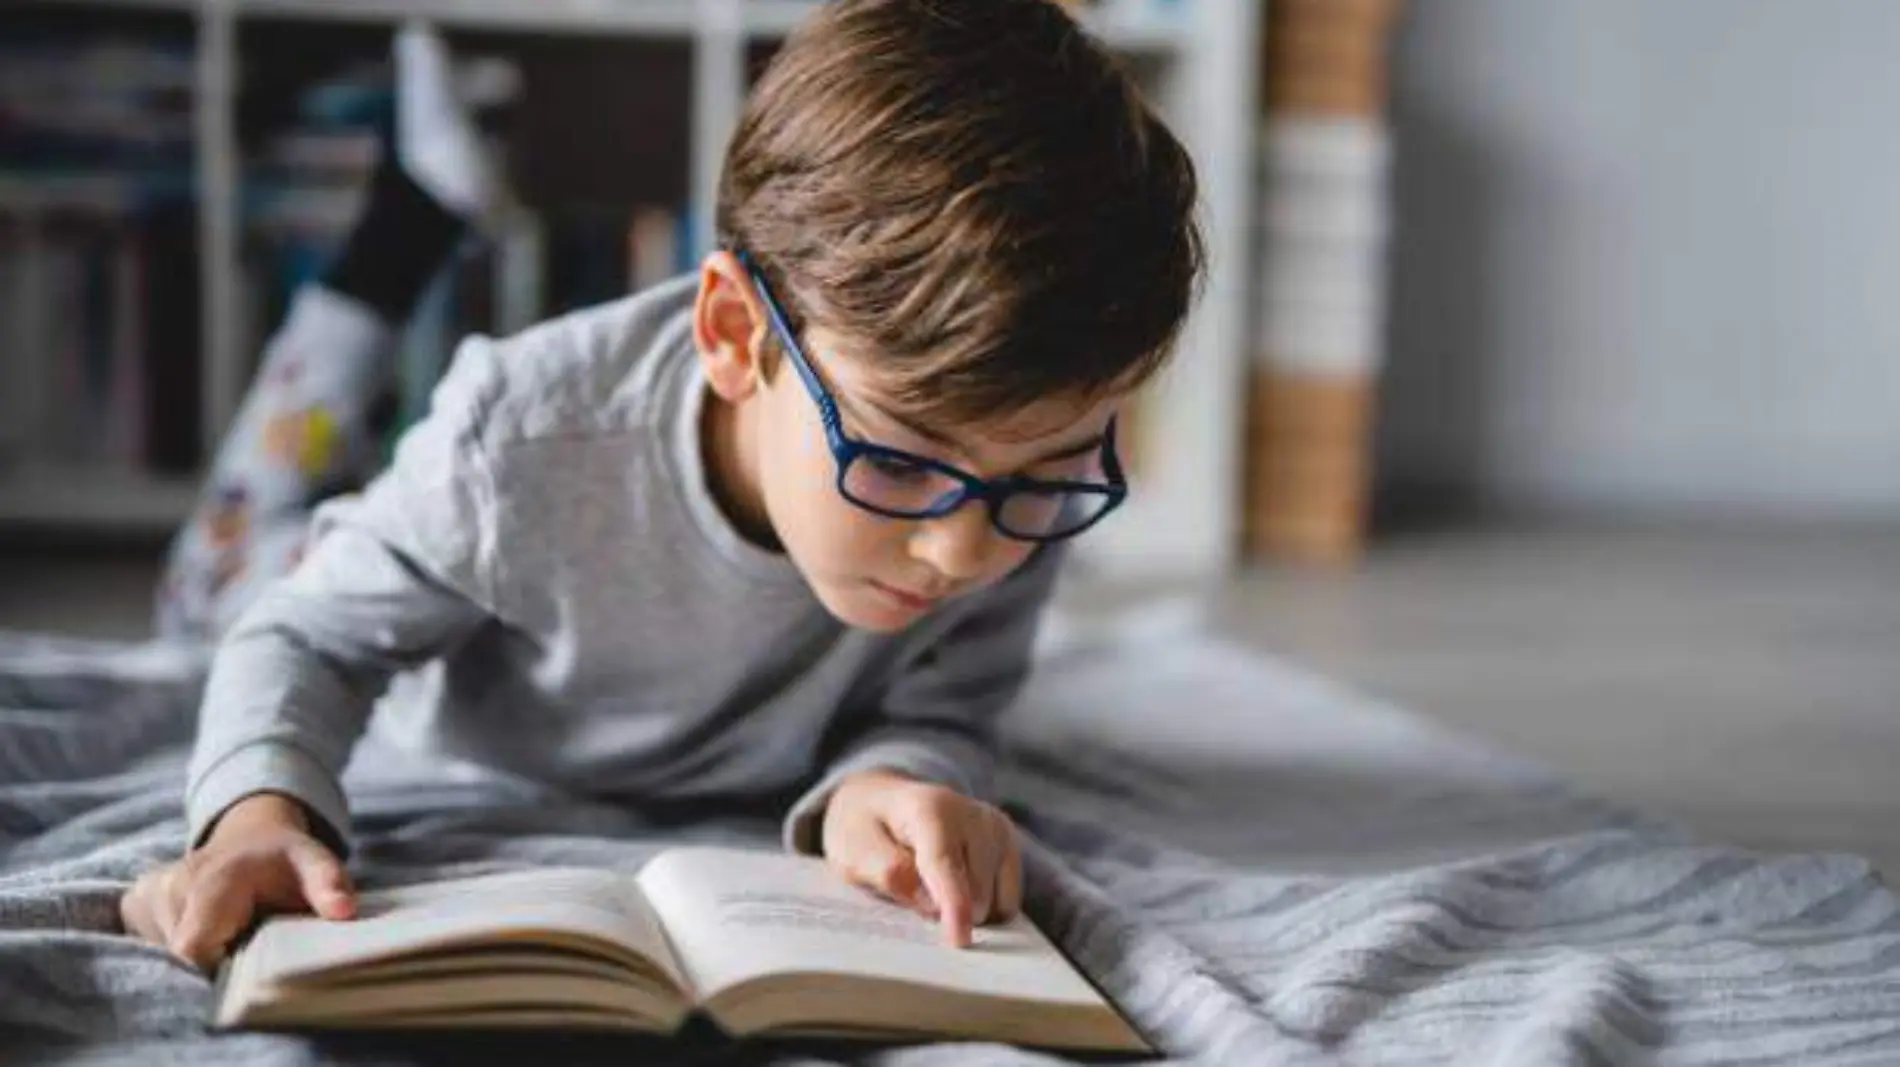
956	546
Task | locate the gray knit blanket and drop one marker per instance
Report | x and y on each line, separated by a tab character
1258	866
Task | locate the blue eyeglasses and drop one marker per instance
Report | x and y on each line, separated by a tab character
903	485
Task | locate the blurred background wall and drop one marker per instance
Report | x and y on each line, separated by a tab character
1647	258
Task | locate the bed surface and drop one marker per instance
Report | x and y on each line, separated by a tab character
1260	866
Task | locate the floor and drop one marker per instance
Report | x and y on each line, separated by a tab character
1747	680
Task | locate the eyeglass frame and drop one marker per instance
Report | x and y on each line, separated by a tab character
846	449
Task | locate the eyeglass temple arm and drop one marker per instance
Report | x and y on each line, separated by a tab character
827	408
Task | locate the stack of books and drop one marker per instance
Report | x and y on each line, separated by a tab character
1321	307
99	297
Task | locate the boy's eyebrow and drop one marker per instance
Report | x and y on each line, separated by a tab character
1080	448
1070	451
917	428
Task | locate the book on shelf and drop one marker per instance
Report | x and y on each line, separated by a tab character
759	943
101	271
102	337
96	101
100	290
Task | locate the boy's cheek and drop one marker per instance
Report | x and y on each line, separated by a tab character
1017	554
860	543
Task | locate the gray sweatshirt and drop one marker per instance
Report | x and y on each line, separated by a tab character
542	587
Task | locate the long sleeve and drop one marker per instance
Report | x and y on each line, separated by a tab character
936	721
391	580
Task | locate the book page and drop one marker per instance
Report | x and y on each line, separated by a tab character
560	906
735	915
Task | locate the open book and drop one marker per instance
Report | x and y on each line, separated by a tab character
760	942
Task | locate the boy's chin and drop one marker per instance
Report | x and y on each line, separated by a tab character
863	606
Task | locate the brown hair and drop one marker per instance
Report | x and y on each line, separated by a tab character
974	195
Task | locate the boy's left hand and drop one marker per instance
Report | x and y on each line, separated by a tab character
927	847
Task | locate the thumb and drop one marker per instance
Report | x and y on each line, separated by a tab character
320	875
878	863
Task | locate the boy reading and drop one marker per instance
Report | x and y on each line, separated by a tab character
783	527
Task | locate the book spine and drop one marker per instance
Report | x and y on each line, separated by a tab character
35	340
656	253
173	332
96	345
474	297
520	280
685	240
19	348
422	354
126	409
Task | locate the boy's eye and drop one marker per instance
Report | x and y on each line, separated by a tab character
893	469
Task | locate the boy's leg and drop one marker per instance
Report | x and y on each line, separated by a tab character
306	430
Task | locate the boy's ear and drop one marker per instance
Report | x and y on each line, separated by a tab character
730	328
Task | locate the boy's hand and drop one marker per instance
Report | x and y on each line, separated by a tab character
930	848
261	856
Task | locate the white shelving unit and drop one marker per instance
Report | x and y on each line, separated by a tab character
1184	517
96	499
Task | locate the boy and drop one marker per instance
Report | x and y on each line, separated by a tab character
781	529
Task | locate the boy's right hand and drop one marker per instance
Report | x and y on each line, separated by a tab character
260	857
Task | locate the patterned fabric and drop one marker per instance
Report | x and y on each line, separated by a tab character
1259	867
305	433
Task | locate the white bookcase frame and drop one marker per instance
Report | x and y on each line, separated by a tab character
1204	55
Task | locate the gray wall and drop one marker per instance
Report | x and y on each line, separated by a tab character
1648	255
